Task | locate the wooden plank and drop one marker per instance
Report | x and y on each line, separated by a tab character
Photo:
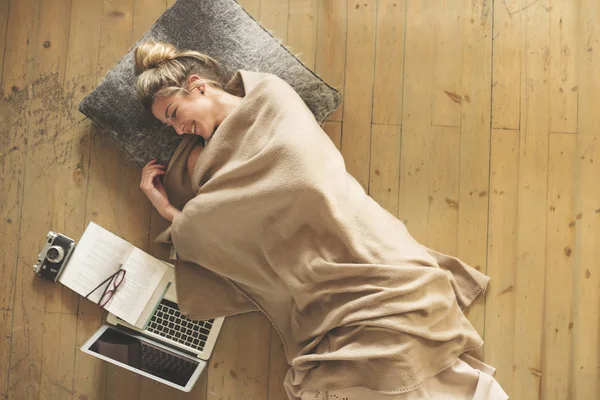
252	7
447	70
80	78
385	166
53	39
60	317
330	61
389	62
508	37
334	131
502	255
475	143
416	119
560	239
58	356
151	389
586	324
444	189
14	106
3	22
274	17
360	52
6	318
278	368
564	20
531	232
302	30
34	356
240	363
146	12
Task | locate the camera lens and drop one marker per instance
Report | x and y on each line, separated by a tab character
55	254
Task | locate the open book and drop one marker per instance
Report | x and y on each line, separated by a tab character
98	255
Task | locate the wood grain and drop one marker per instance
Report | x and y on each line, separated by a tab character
302	30
60	317
330	62
475	144
385	166
563	66
274	17
447	68
560	263
84	41
278	368
413	195
34	358
6	319
533	197
3	22
502	255
239	365
388	89
508	47
356	132
444	184
586	290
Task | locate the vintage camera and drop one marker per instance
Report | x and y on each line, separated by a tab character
54	256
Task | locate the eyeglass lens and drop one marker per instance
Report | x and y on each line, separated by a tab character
115	284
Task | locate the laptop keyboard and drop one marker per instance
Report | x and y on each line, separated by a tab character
167	366
169	323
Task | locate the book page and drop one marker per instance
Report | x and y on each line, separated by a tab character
144	273
155	299
96	257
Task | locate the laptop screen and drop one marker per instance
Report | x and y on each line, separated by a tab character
144	356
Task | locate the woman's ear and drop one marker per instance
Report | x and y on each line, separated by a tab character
195	81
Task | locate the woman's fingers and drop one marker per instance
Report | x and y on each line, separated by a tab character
151	165
153	168
148	178
151	174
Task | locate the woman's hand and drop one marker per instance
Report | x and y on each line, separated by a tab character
155	191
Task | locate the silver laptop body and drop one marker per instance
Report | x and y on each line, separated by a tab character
172	349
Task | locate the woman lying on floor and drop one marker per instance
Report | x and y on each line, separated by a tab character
266	217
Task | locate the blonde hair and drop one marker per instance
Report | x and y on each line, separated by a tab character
163	71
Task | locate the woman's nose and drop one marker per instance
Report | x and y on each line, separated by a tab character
179	129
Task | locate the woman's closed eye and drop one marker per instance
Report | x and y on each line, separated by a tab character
174	115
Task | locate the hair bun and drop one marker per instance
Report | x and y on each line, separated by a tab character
152	54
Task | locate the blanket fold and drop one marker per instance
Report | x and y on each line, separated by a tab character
272	221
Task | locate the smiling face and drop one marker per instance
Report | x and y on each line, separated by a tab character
194	113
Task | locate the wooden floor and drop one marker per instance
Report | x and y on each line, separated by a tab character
477	122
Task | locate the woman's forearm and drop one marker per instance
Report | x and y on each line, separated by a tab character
171	213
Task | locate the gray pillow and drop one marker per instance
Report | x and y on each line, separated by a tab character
221	29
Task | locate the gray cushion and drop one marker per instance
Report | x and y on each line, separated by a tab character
221	29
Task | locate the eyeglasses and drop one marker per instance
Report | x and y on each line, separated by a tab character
114	280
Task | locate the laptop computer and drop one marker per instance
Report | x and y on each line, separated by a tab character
172	349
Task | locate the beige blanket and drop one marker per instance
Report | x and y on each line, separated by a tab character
277	224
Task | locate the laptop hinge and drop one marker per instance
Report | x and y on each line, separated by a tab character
152	338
